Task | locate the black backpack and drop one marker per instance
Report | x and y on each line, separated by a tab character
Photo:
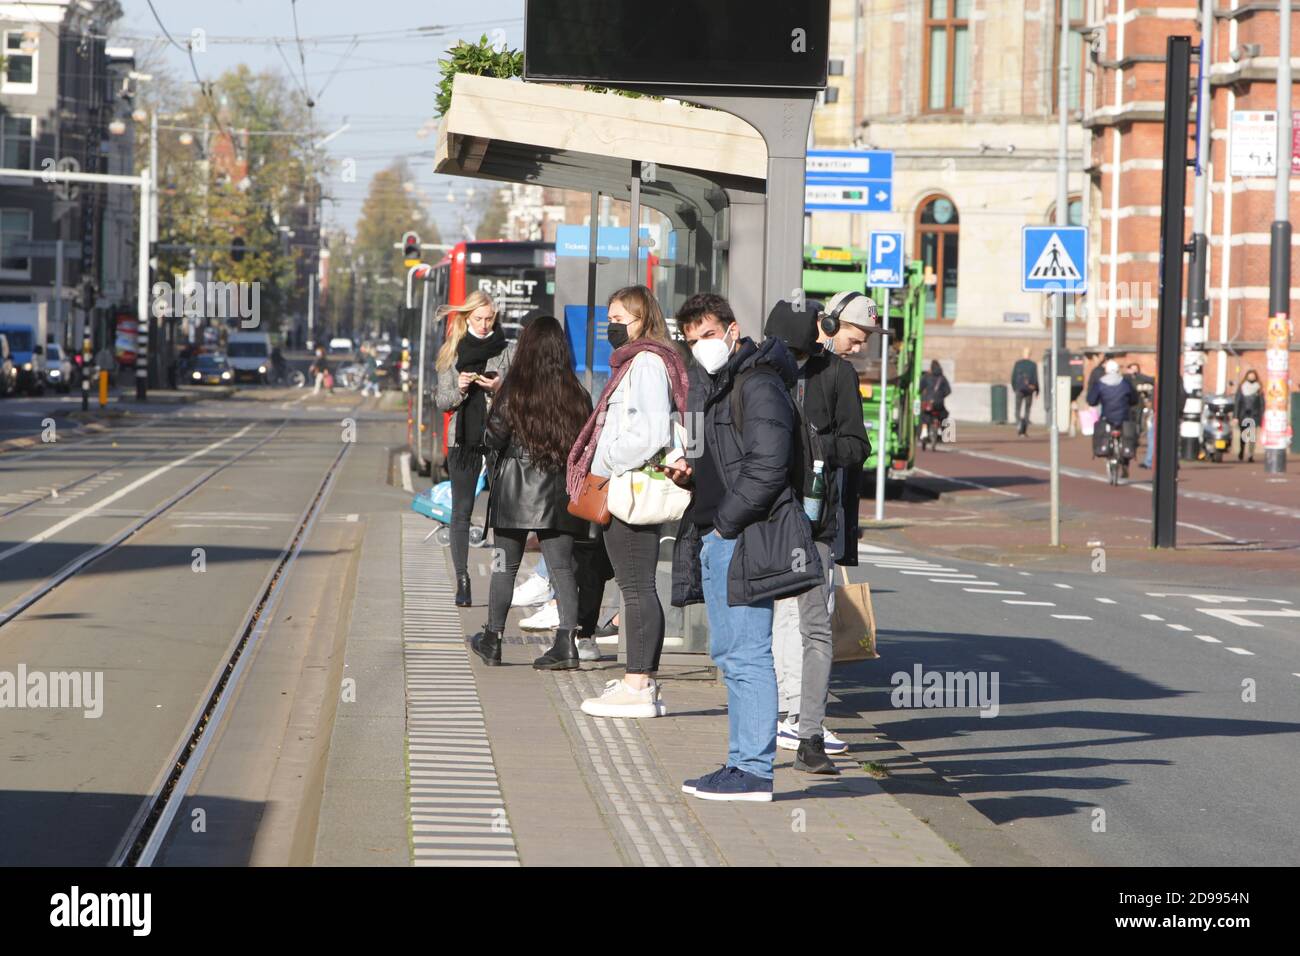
807	449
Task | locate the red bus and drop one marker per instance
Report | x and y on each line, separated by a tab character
520	277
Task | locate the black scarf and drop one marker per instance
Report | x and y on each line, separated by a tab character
472	355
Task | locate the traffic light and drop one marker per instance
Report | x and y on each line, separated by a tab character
237	249
411	249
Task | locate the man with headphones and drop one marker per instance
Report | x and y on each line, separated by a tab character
845	323
827	391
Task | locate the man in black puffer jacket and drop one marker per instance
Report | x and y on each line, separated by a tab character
745	539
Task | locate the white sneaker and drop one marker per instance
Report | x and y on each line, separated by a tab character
546	618
787	735
619	700
536	590
833	744
587	649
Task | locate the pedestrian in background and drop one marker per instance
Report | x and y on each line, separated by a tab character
471	366
534	421
630	428
856	316
1024	384
319	369
934	394
826	389
1249	409
741	476
370	372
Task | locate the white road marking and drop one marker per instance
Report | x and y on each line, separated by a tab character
1027	574
1067	587
1240	650
1240	616
945	571
961	581
875	549
1072	617
1105	601
1178	627
120	493
1207	639
1030	603
968	484
249	527
1153	617
409	488
1216	598
982	591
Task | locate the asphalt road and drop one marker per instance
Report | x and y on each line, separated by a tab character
1138	722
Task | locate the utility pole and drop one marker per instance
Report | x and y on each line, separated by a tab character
1198	306
1058	310
1277	396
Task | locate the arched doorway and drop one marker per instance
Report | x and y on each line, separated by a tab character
936	247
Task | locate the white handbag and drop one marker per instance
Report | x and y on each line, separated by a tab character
645	495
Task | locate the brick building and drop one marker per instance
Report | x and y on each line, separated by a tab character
964	93
1126	122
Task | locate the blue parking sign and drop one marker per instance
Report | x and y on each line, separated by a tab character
1054	259
885	260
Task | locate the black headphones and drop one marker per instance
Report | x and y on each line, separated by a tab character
830	322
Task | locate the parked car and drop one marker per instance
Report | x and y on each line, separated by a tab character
8	373
210	368
58	370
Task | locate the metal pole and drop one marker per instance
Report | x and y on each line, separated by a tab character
1198	305
419	377
880	424
142	290
1277	424
634	228
1062	219
58	287
593	237
1173	188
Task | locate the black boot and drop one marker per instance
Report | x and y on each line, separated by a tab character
463	598
563	655
812	758
487	645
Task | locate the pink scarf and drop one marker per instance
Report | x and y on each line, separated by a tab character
584	449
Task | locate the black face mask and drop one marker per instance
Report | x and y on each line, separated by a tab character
617	334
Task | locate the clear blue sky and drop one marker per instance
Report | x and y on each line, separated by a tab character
384	87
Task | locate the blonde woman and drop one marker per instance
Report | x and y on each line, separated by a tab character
471	365
630	427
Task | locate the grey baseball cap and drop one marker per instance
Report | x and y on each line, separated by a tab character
861	311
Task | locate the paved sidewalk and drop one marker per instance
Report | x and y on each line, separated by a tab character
503	763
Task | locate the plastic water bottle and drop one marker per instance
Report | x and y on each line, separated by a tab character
812	502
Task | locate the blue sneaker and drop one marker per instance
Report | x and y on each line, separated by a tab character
690	786
732	783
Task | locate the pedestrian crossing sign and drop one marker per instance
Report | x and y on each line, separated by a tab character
1054	259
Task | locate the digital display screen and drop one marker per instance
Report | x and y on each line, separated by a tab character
773	44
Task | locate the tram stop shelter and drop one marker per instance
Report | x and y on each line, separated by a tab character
703	169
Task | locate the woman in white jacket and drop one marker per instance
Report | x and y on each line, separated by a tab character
632	427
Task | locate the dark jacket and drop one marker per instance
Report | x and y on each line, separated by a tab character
934	389
1249	407
1024	377
522	494
755	472
832	405
1115	395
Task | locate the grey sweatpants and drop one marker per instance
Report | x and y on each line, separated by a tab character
801	650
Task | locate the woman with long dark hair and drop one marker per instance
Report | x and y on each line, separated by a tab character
471	364
535	420
631	428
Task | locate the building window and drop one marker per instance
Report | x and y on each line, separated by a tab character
20	61
15	224
17	135
947	55
832	94
936	247
835	68
1074	92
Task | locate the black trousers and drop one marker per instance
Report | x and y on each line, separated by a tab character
592	569
463	467
634	553
1024	405
508	552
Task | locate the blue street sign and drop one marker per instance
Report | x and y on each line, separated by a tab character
1054	259
611	242
849	180
885	260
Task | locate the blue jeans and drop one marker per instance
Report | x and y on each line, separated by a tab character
740	643
1151	442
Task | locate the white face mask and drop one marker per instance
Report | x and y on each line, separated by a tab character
711	353
470	330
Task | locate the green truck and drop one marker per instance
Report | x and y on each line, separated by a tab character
831	269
